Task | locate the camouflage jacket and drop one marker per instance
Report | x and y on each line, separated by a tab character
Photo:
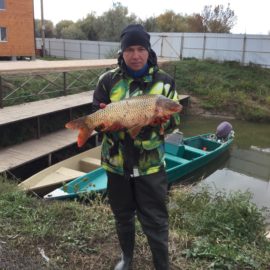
145	154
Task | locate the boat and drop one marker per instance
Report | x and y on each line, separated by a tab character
62	172
182	156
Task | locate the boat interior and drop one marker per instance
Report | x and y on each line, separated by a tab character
187	151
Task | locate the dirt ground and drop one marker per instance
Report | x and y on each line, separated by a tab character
195	108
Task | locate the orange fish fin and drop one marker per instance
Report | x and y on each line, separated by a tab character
134	131
76	124
111	126
84	134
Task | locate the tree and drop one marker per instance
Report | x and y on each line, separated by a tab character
89	26
49	28
111	23
218	19
73	31
195	23
150	24
171	22
62	25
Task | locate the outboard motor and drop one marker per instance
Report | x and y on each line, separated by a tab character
224	129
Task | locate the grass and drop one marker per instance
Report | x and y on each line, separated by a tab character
208	230
243	91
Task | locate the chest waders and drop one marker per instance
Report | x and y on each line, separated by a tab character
144	196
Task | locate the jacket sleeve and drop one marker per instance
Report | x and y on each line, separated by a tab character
101	93
174	122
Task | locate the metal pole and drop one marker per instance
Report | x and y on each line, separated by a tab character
204	45
244	50
161	46
42	29
182	47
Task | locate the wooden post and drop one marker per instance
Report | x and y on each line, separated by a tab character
64	83
38	127
49	159
70	114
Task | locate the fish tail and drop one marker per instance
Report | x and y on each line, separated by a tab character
84	131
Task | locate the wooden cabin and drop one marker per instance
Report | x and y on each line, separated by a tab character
17	38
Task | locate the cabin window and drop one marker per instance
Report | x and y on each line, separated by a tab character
2	4
3	34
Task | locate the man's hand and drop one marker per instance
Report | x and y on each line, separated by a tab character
102	105
114	127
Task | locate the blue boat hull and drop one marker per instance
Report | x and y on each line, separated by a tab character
180	159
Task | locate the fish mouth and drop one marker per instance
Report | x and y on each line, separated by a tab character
176	108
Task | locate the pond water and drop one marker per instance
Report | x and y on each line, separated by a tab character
246	167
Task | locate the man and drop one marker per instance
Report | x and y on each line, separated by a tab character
137	182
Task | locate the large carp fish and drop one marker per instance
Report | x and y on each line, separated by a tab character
132	113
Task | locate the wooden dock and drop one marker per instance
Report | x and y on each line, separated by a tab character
41	66
39	108
17	155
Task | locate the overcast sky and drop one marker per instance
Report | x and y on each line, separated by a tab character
252	16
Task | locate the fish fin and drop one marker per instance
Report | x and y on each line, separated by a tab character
111	126
84	130
105	126
76	124
84	134
134	131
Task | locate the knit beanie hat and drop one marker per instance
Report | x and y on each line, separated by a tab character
135	34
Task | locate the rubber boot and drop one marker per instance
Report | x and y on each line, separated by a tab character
126	240
124	263
158	242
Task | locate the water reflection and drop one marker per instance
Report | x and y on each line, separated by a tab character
250	162
228	180
245	170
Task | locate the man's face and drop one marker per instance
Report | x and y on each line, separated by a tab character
135	57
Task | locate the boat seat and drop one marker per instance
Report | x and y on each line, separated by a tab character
89	163
193	149
62	174
176	159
